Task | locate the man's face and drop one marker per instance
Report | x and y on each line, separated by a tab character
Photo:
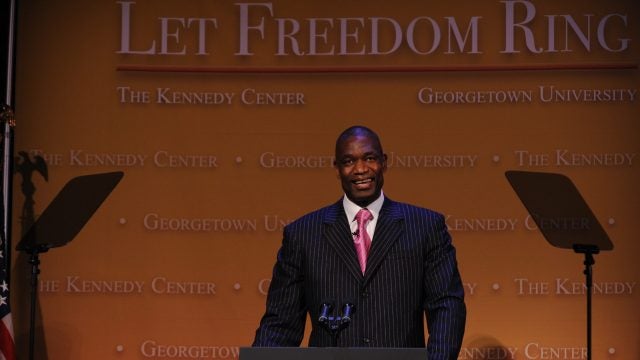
360	165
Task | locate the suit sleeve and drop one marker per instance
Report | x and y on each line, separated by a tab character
284	319
444	294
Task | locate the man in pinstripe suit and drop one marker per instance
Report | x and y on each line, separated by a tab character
410	268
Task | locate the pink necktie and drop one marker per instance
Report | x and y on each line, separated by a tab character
362	240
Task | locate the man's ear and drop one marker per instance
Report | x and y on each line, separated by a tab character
335	166
384	162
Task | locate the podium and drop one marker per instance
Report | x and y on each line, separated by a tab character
331	353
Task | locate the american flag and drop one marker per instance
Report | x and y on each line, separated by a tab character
7	122
7	347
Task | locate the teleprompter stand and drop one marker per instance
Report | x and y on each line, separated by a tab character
565	220
60	222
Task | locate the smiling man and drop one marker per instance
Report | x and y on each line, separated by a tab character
393	263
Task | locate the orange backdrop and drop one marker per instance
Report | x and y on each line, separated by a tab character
222	118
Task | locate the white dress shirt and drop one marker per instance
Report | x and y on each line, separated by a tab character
351	209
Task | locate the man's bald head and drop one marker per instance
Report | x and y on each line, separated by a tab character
358	130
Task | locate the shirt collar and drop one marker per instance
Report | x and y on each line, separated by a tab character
351	208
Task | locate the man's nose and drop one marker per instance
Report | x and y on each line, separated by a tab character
360	167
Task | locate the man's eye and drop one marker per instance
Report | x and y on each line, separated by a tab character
347	162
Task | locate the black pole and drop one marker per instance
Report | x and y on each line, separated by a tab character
35	271
588	251
588	272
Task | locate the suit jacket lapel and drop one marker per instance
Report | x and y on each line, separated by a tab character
388	230
338	234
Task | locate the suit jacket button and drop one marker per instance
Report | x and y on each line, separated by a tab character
364	294
366	340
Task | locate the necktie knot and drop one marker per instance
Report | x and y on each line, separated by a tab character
363	216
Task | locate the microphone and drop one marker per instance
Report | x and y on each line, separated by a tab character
335	324
325	309
347	311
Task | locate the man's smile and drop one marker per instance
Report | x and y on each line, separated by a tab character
363	184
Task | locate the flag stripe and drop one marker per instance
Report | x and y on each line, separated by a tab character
7	348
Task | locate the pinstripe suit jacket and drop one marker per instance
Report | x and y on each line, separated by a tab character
411	270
